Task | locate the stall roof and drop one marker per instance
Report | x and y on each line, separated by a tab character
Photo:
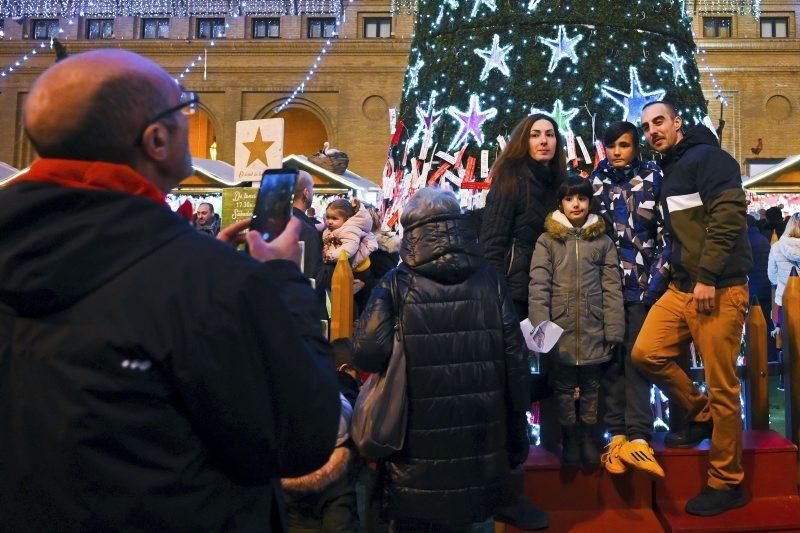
783	177
223	174
348	180
6	171
219	171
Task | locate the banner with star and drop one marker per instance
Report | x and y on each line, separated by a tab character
259	146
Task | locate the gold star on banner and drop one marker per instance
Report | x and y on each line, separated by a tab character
258	149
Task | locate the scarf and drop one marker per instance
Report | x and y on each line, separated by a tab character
93	175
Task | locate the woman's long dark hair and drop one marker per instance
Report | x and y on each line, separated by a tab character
617	130
517	149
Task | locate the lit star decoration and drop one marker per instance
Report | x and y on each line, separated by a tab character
427	120
491	4
563	47
533	4
471	121
633	101
495	58
677	62
413	74
563	117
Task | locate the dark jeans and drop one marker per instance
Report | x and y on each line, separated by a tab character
564	379
627	391
766	308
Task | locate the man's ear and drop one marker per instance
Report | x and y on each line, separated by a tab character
155	141
678	122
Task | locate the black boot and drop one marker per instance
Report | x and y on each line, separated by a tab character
570	445
590	454
522	514
693	434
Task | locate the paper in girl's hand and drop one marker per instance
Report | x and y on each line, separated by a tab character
541	338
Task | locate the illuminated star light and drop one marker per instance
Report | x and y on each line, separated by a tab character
677	62
413	74
634	101
563	117
533	4
427	120
563	47
495	58
471	121
491	4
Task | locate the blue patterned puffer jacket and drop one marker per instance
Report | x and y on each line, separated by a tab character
628	200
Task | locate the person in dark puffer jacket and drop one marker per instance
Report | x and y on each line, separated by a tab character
467	371
525	180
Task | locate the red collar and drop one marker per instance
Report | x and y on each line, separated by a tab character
93	175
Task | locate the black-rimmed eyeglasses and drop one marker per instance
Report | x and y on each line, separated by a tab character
188	106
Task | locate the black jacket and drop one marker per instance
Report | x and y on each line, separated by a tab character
467	375
151	378
513	221
704	209
758	279
312	256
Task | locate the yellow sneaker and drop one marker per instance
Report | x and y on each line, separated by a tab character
610	459
639	455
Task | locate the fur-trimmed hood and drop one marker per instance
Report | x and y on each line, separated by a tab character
557	225
389	242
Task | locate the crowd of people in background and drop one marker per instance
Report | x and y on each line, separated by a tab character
137	391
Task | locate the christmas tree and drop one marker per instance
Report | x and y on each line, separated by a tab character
477	67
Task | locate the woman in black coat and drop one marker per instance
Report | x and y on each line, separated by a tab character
467	371
525	180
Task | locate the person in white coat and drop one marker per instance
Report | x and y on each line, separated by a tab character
784	255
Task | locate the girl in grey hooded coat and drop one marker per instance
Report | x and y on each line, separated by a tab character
576	283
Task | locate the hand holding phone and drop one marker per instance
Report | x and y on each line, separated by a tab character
273	207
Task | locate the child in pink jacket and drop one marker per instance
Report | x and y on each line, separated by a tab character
348	227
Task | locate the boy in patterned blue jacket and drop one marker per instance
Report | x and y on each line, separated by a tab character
626	190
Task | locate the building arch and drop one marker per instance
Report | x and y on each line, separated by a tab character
204	129
306	126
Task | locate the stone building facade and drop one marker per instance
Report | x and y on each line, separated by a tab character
260	60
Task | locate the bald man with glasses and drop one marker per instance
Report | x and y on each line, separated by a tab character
138	392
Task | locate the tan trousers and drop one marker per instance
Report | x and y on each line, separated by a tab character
670	325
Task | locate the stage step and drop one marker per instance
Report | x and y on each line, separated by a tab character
770	466
588	499
591	500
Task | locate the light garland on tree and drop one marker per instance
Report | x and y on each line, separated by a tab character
471	121
412	75
495	58
427	119
562	117
677	63
491	4
562	47
633	101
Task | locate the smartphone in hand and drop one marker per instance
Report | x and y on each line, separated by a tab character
273	207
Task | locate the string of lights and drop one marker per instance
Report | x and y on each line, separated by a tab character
194	62
403	7
18	63
310	74
172	8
